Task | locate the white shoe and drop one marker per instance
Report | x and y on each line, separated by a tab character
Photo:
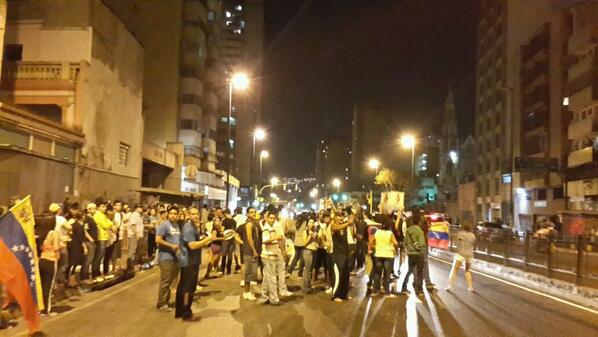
249	297
253	283
286	294
198	288
242	283
328	290
449	288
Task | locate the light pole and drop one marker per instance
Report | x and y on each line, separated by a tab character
336	183
263	155
373	164
408	142
259	134
239	82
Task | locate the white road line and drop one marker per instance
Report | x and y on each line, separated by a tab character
99	299
527	289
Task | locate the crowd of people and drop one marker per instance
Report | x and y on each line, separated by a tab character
80	247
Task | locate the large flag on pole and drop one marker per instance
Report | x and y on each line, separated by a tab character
18	260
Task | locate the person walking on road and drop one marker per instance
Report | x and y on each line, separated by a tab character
415	246
465	242
340	255
168	240
385	245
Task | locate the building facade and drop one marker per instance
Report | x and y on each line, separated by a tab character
333	161
76	82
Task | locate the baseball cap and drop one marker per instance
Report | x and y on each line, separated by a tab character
91	205
54	207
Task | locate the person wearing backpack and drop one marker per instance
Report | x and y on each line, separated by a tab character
415	247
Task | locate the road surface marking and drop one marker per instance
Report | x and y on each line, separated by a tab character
526	289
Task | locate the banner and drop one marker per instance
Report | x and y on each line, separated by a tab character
438	235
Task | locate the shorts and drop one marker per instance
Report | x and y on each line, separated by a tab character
462	259
251	264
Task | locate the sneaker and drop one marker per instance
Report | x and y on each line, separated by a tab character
449	289
391	295
286	293
275	303
198	288
287	275
253	283
328	290
338	300
165	308
242	283
249	296
263	301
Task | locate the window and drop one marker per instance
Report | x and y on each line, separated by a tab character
188	124
123	153
557	193
13	52
541	194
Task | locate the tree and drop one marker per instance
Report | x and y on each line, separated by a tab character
389	179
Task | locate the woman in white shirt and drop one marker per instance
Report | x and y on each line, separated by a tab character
465	243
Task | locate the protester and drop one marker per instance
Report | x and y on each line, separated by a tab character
91	237
192	241
385	245
340	255
250	251
77	249
465	241
311	236
299	244
104	226
168	240
217	231
273	259
415	246
62	230
48	268
134	232
228	243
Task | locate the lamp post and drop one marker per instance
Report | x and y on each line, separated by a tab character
239	82
408	142
263	155
373	164
259	134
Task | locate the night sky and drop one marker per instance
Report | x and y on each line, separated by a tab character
323	56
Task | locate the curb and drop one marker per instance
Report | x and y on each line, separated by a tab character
584	296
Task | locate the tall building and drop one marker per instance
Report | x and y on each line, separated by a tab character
372	138
333	160
582	96
542	122
73	74
242	47
184	93
503	27
448	175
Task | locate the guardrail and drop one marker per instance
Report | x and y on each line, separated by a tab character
570	258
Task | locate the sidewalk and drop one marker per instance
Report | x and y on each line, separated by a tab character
584	296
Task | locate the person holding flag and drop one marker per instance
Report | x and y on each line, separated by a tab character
18	262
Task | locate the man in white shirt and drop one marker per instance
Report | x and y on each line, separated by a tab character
62	228
134	233
273	282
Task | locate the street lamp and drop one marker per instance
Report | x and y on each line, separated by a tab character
373	164
274	181
409	142
313	193
259	134
238	81
336	183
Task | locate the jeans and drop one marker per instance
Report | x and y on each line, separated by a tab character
361	250
185	291
168	272
352	250
97	259
63	262
416	267
269	282
281	273
226	254
384	267
91	250
132	249
308	259
298	257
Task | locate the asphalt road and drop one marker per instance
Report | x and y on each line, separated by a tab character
496	309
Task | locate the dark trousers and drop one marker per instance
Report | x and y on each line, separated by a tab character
298	257
383	267
97	259
416	267
352	251
226	254
341	276
185	291
47	274
373	271
107	257
361	249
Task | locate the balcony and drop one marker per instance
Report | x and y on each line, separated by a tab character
583	37
584	127
40	71
580	157
210	101
158	154
210	122
191	85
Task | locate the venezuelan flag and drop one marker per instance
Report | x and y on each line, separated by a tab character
438	235
19	262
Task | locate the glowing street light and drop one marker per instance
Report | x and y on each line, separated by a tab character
274	181
264	154
238	81
374	164
336	183
409	142
259	134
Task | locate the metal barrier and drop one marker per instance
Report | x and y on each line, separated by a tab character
571	258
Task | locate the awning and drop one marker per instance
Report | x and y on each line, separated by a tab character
152	190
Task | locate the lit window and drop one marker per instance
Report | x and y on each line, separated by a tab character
566	101
239	8
237	31
123	153
228	14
